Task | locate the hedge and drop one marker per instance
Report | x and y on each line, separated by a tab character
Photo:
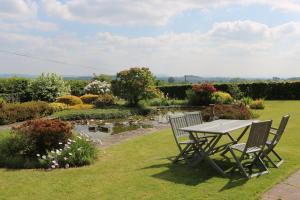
269	91
15	89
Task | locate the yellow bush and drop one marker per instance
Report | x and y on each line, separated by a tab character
257	104
222	98
81	106
89	98
69	100
58	106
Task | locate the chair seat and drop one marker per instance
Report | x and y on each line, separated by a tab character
200	140
241	147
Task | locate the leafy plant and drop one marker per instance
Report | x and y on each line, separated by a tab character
75	152
235	92
134	84
48	87
69	100
247	100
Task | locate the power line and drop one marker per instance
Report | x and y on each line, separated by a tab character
44	59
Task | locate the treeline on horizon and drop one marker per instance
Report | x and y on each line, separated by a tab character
168	80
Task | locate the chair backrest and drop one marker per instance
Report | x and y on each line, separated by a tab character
281	129
258	134
176	123
193	118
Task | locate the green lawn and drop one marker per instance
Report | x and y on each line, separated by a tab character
140	169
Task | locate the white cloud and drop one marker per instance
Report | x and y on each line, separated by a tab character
237	48
145	12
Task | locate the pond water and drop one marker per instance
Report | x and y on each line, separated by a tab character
105	128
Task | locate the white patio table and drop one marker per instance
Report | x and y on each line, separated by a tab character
214	131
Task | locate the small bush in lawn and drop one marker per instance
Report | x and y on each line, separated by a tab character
58	106
45	134
191	97
89	98
258	104
16	112
105	100
76	152
222	98
69	100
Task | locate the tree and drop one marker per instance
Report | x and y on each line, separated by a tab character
134	84
171	79
48	87
102	77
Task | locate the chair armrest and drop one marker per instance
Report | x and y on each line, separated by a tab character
273	131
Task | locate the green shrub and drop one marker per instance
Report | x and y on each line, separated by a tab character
48	87
17	112
14	150
44	134
247	100
134	84
203	93
89	98
77	86
15	89
258	104
191	97
234	91
104	100
222	98
69	100
2	102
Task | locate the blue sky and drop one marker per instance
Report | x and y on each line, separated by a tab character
236	38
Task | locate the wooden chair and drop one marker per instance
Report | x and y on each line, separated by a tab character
187	146
272	143
254	147
193	118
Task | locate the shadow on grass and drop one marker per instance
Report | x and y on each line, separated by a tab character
181	173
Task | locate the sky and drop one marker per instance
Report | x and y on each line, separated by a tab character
225	38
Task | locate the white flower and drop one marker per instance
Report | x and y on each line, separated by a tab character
52	151
60	143
65	158
79	137
44	157
53	166
67	166
38	155
70	154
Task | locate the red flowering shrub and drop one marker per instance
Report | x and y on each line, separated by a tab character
44	134
203	93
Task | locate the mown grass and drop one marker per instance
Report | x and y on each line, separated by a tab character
140	169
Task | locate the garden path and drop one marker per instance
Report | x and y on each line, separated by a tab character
286	190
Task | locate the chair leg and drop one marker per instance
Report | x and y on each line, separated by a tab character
265	169
278	157
239	164
181	154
